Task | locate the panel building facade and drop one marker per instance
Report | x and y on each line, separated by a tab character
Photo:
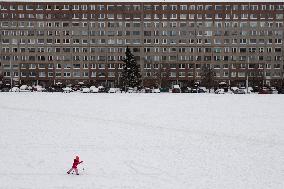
70	42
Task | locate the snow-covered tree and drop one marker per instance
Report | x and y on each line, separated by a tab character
131	76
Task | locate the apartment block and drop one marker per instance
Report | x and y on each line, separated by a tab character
70	42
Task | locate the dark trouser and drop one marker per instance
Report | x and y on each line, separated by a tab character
76	171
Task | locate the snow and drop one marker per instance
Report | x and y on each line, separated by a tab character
142	141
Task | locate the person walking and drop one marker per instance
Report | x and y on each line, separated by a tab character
74	166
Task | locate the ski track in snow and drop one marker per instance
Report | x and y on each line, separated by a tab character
168	141
127	124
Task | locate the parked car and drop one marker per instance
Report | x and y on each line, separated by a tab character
220	91
25	88
223	85
176	89
67	90
156	90
102	89
85	90
5	89
202	90
39	88
273	90
130	90
94	89
15	89
199	90
264	90
163	90
247	90
50	89
114	90
194	90
234	89
240	91
255	89
53	89
250	90
281	91
76	88
185	89
147	90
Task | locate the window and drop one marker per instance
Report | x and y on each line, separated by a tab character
252	41
41	74
93	74
147	16
218	16
181	74
58	74
85	74
30	7
50	74
191	7
279	16
183	16
5	24
183	7
181	66
76	66
253	16
208	16
244	7
67	74
101	74
173	74
20	7
173	16
191	16
218	7
278	41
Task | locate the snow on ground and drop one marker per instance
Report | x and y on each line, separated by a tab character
142	141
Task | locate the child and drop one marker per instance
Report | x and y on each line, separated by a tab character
76	162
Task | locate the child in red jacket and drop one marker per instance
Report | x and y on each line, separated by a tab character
75	164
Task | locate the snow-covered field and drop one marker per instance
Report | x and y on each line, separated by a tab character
142	141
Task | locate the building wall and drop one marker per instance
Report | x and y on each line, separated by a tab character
46	42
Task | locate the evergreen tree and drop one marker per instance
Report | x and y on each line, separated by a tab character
131	71
207	76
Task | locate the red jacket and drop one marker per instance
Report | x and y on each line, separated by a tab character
76	162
